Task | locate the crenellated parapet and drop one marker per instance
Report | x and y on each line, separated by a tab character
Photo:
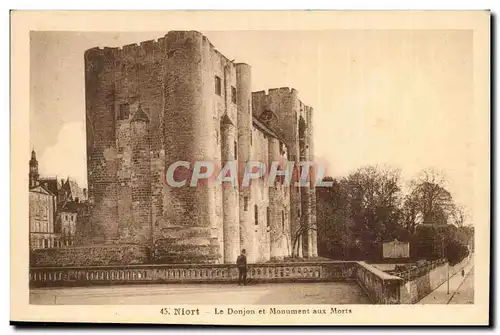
128	52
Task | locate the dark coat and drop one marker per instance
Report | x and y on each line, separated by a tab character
241	261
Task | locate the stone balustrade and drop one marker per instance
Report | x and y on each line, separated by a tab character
190	273
381	287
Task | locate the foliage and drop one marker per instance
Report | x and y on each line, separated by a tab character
360	212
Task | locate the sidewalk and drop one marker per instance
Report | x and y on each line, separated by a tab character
439	295
465	293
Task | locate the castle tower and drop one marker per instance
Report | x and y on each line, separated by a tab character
33	174
102	162
187	233
195	105
294	125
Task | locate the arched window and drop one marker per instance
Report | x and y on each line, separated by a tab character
245	203
218	86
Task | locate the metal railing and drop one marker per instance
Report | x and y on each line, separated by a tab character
419	270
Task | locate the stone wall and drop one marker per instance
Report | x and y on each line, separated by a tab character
381	288
94	255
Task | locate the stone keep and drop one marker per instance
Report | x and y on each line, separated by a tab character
177	98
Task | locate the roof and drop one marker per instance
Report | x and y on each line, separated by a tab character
265	129
41	189
51	184
74	191
140	115
72	207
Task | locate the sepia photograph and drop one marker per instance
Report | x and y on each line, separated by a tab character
227	176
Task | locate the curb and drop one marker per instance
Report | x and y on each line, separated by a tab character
465	277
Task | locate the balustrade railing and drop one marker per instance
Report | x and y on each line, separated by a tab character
60	276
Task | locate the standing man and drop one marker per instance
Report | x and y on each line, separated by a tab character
241	262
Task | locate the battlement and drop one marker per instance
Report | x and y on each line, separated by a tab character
275	93
269	99
134	49
212	49
183	35
173	40
144	48
305	108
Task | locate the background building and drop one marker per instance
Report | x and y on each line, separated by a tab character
55	209
41	211
41	216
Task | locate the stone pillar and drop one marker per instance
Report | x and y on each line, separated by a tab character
230	199
305	191
314	225
275	200
293	146
244	105
312	174
295	211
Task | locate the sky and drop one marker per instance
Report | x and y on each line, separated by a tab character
400	98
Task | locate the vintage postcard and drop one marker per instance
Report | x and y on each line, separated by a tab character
251	168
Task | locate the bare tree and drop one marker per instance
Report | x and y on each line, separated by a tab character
303	230
410	215
432	199
459	215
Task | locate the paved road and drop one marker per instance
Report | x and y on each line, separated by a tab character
306	293
440	295
465	293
